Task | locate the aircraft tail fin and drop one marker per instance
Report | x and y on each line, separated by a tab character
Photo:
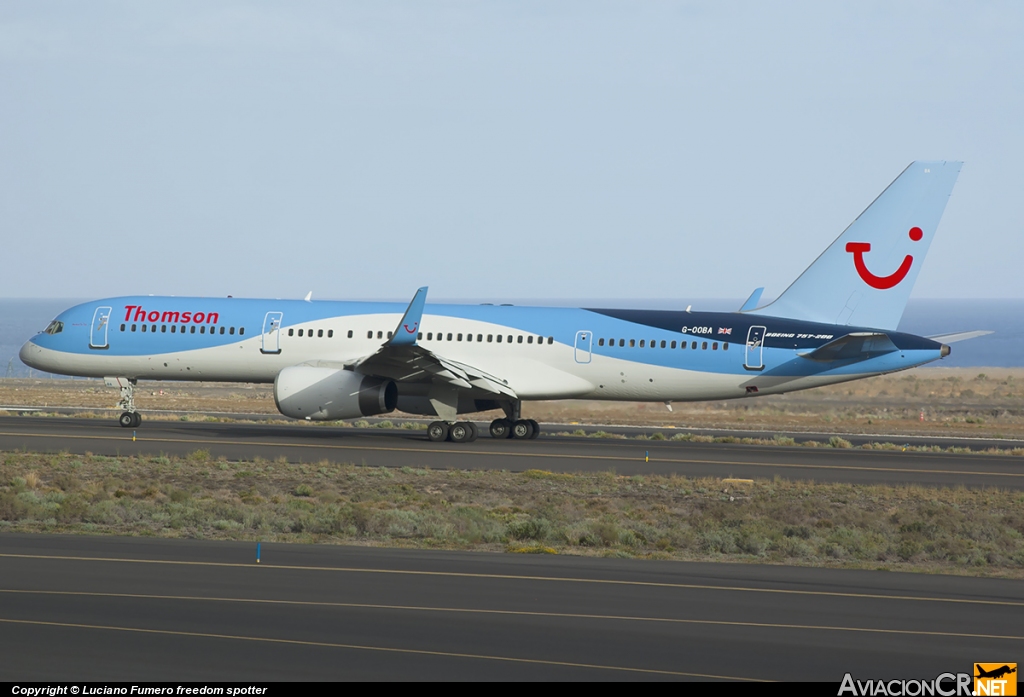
864	278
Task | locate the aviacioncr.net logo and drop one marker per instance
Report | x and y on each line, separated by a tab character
944	685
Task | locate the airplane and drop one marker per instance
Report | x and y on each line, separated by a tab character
995	672
333	360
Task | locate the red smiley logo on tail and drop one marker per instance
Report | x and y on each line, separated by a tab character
881	282
415	325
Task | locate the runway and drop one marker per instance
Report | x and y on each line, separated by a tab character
134	609
398	448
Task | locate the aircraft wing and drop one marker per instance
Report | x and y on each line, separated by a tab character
402	359
854	346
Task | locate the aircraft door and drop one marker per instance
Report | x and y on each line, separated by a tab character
272	333
753	356
98	331
584	342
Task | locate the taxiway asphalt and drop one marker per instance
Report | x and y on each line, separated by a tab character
143	609
399	448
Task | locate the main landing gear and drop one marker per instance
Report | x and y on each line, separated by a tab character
130	418
513	425
458	432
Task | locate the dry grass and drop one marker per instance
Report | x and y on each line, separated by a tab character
958	530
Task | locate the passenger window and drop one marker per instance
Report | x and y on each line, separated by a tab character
143	327
693	345
725	346
479	338
551	339
654	343
469	337
350	334
291	332
663	344
380	335
703	346
173	329
632	343
673	345
449	336
300	332
459	337
389	335
192	329
202	329
510	338
529	339
241	330
133	327
600	342
499	338
320	334
230	331
714	346
122	327
369	335
641	343
622	342
222	330
519	339
330	333
490	338
430	336
682	344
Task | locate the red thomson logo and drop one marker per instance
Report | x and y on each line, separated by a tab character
415	326
169	317
858	249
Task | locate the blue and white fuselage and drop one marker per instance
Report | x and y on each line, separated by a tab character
334	360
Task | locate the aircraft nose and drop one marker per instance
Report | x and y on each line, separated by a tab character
29	354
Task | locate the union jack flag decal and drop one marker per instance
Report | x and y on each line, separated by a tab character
725	330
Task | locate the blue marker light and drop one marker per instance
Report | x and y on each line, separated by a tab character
257	552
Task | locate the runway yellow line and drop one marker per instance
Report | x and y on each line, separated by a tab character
383	649
514	577
561	456
516	613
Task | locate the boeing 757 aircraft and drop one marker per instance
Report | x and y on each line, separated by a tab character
344	360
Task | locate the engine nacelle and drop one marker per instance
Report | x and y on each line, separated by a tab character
327	394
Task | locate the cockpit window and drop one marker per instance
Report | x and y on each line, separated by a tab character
54	327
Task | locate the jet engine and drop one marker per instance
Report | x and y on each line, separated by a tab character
327	394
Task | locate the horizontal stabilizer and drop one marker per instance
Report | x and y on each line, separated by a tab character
752	301
856	346
959	336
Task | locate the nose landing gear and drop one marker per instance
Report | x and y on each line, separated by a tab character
130	418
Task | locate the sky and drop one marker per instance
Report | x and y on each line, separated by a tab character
668	150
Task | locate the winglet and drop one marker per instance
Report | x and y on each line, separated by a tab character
405	332
752	301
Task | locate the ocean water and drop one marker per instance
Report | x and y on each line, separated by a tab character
21	319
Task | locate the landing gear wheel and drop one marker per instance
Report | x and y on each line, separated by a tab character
461	432
522	430
437	432
536	428
473	432
137	419
501	428
127	420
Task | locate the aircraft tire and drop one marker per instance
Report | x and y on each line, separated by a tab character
536	429
138	419
522	430
461	432
501	428
437	431
472	431
127	419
